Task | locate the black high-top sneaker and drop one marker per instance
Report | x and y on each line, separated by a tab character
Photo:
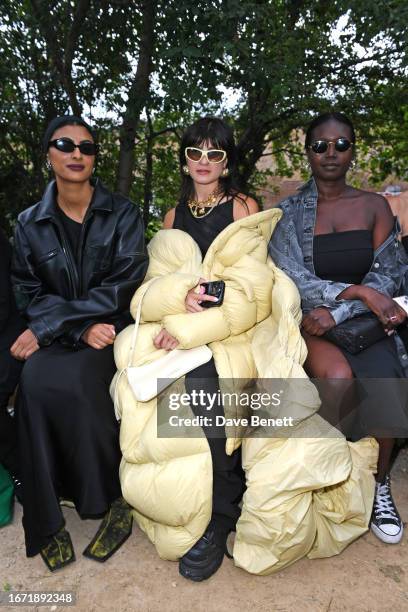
385	521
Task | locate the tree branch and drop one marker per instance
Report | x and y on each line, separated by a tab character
166	131
137	97
62	62
72	38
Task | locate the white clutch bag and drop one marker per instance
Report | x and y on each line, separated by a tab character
149	380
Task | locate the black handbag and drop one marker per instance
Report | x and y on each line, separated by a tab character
357	334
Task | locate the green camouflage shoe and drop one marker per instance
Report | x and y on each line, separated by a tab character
114	530
59	552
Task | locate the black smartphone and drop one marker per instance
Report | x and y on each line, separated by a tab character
215	288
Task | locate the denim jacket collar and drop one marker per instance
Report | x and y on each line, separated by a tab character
308	196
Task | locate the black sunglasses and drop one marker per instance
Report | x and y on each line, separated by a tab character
341	145
66	145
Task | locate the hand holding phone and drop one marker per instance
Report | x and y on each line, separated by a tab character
196	302
214	289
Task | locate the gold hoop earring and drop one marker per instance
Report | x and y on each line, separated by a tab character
225	172
186	170
352	165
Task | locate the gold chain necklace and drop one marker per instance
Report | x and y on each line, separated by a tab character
201	208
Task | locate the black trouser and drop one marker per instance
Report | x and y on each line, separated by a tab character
228	475
10	370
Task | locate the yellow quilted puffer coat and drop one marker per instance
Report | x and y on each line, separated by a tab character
307	495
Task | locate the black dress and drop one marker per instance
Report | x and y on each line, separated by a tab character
11	326
228	476
204	230
382	408
68	433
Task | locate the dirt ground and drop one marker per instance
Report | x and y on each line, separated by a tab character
368	576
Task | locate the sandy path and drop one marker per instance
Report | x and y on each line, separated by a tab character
368	576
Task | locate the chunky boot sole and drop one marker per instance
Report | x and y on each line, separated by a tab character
206	556
201	570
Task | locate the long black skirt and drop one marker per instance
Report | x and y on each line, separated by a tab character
382	405
68	438
10	371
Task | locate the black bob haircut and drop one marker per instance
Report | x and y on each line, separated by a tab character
217	132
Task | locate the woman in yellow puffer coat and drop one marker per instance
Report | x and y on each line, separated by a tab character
185	491
208	204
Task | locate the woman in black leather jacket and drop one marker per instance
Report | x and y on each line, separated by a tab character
79	257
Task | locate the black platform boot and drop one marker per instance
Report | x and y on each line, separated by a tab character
206	556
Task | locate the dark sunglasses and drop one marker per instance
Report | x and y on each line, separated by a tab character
66	145
341	145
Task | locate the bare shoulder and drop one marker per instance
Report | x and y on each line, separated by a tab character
168	220
382	208
244	205
381	215
376	201
376	205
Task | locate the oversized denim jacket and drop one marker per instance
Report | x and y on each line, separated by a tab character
291	248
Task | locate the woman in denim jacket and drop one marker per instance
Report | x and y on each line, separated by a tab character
339	245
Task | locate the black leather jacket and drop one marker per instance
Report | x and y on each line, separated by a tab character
60	299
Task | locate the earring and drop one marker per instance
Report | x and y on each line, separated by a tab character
352	165
48	165
185	169
225	172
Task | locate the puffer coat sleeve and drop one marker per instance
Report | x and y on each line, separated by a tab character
176	267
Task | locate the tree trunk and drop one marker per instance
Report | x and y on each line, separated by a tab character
256	137
147	189
137	98
250	148
62	61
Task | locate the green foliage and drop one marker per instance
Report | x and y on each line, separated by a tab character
280	61
152	227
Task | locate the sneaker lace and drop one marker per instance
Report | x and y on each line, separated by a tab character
384	504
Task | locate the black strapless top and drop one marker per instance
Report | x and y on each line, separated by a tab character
404	241
344	257
206	229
